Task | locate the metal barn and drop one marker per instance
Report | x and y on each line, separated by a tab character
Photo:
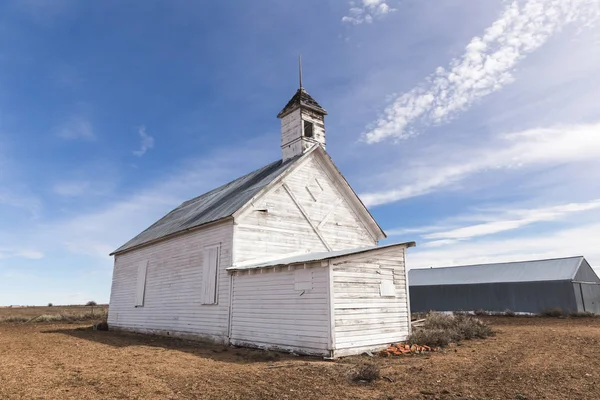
528	286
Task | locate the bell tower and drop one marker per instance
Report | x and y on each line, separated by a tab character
302	123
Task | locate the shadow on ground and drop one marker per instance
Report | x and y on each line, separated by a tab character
213	351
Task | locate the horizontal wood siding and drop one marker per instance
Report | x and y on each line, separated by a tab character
268	312
362	317
172	302
284	227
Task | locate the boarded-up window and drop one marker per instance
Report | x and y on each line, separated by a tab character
210	270
140	289
303	279
386	287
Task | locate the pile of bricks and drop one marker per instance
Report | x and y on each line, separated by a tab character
405	349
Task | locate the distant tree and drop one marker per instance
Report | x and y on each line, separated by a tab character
91	303
50	304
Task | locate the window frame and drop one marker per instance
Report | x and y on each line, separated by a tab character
214	299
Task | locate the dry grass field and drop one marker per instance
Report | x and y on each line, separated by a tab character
54	313
529	358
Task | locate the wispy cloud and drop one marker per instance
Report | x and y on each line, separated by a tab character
366	11
147	142
572	241
510	220
77	128
30	254
71	189
520	150
485	67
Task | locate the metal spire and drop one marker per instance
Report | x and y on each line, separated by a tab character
300	70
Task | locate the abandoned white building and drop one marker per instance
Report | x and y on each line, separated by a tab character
285	257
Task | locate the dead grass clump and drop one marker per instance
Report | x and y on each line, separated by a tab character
582	314
439	330
433	337
262	355
553	312
15	319
472	328
366	373
58	317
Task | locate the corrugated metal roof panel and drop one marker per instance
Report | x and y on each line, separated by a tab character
312	257
524	271
212	206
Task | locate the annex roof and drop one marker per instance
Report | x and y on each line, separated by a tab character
557	269
312	257
215	205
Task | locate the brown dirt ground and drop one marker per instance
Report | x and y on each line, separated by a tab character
530	358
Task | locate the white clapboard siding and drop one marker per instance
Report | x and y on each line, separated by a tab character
310	194
363	318
172	301
269	310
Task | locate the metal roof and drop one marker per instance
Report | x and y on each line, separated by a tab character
558	269
301	99
312	257
212	206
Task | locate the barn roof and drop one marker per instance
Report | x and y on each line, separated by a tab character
312	257
217	204
557	269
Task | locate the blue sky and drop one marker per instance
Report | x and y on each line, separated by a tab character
470	127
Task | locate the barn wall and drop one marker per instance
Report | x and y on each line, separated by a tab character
268	311
285	228
532	297
364	319
173	286
587	295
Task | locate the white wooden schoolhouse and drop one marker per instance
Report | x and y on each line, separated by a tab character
285	257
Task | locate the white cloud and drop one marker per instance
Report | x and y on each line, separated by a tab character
146	144
77	128
71	189
527	149
30	254
366	11
511	220
580	240
98	232
485	67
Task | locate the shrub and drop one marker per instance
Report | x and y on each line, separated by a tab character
553	312
433	337
439	330
50	304
509	313
472	328
91	303
366	373
582	314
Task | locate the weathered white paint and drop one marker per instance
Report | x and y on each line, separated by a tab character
293	140
330	308
363	318
173	289
270	310
300	219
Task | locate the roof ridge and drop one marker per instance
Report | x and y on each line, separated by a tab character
498	263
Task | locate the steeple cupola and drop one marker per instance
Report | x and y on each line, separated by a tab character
302	123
